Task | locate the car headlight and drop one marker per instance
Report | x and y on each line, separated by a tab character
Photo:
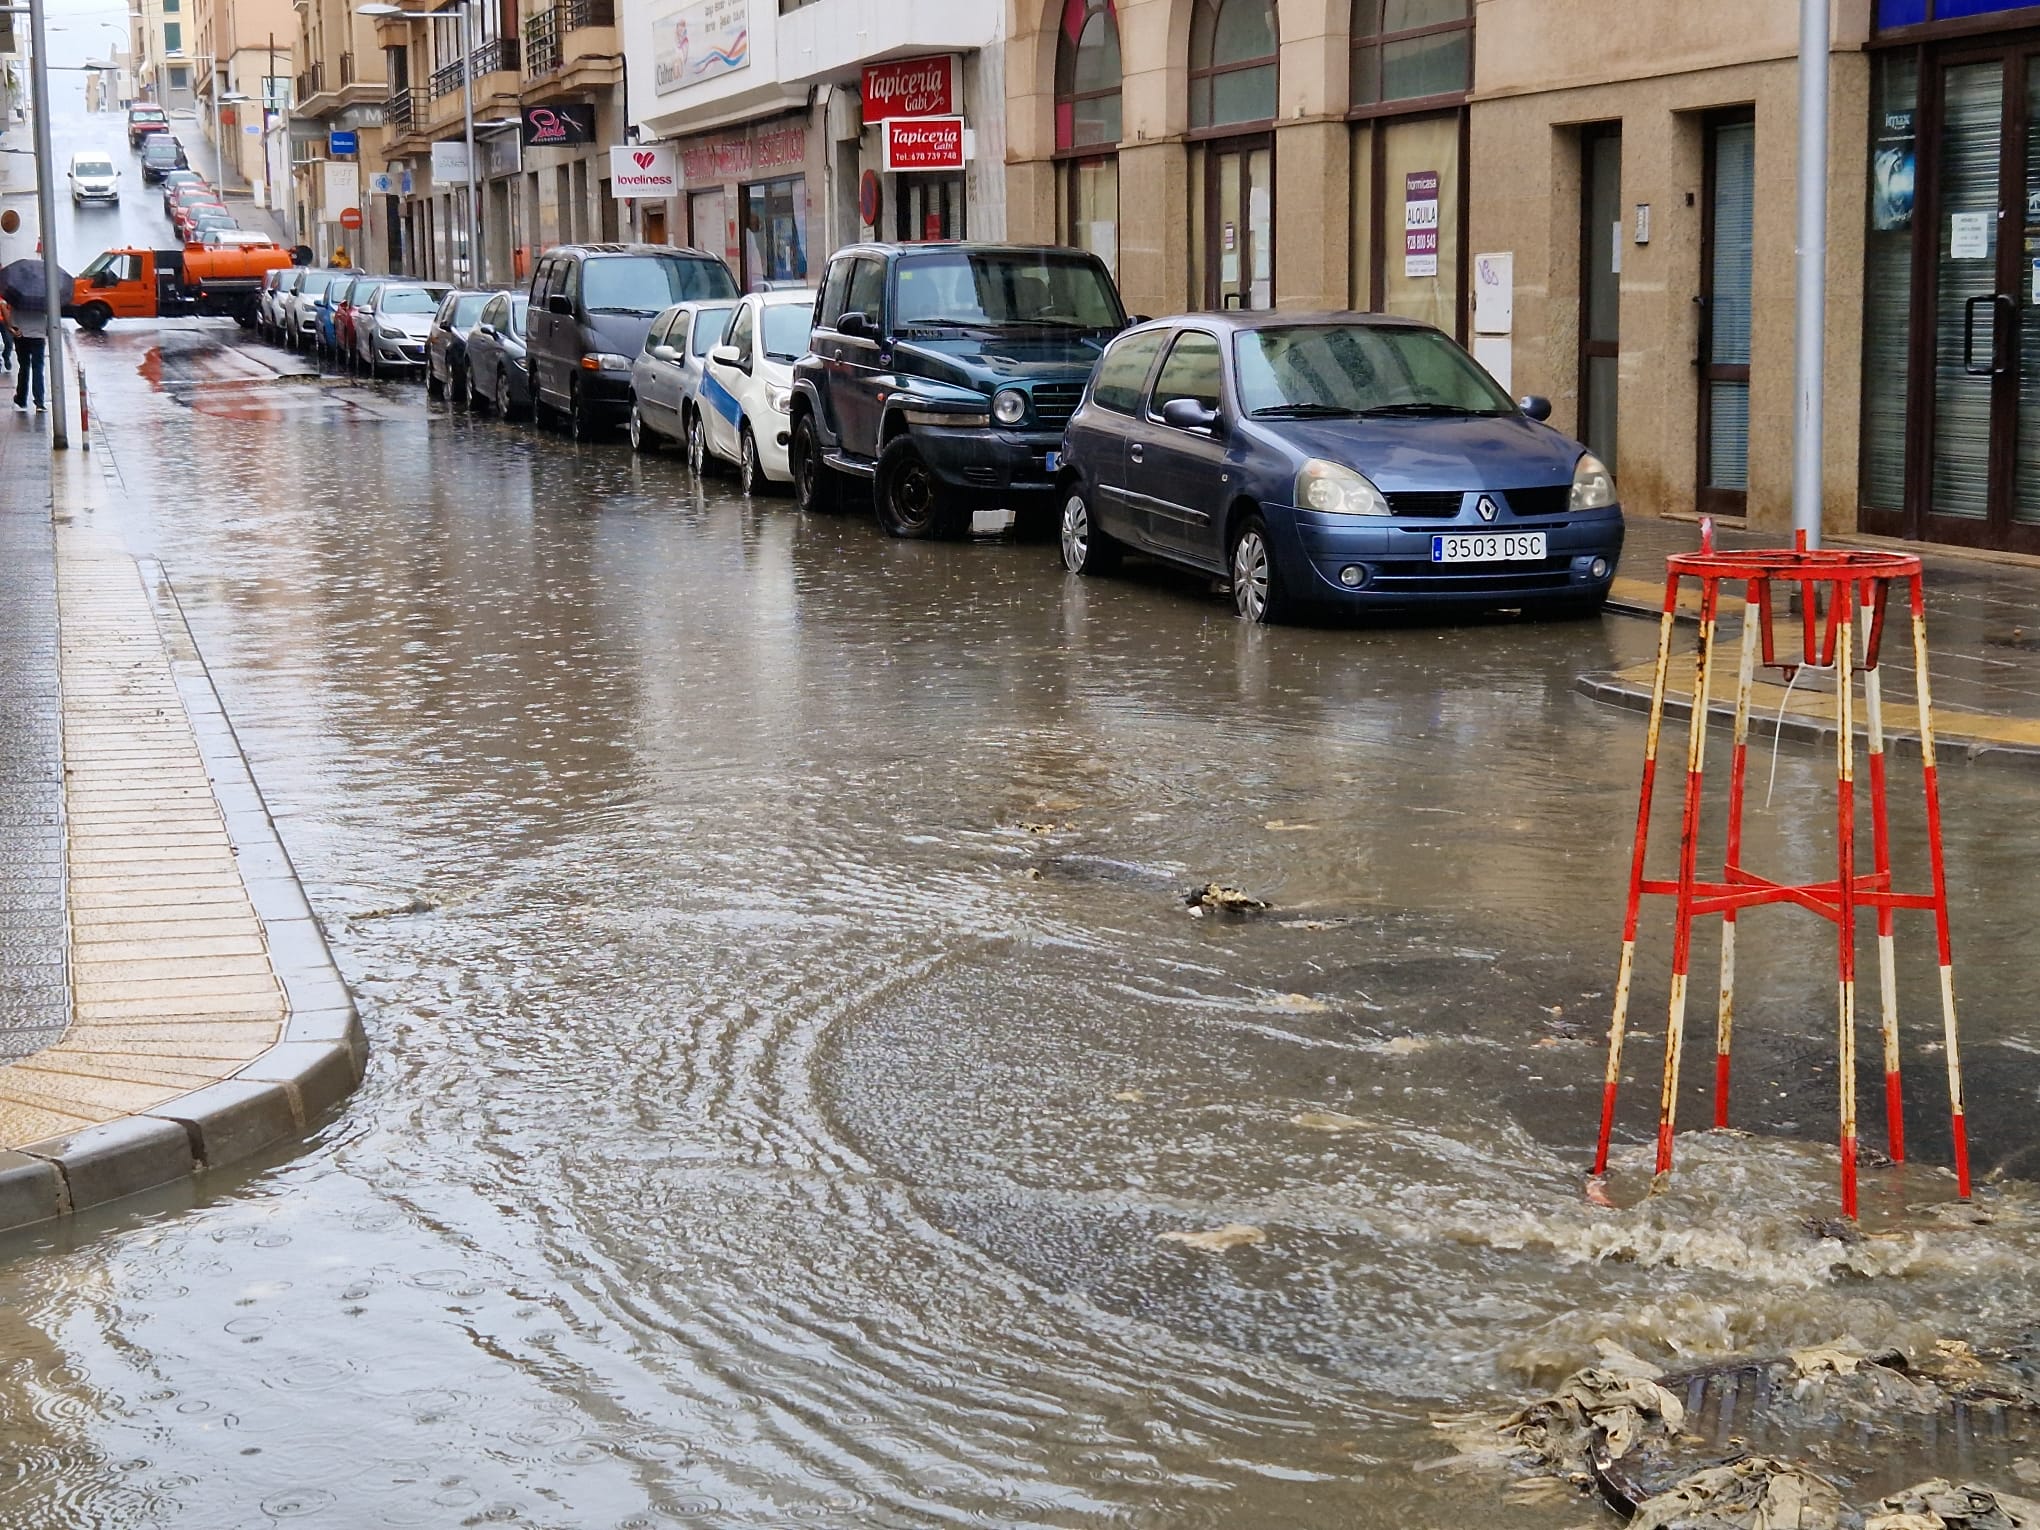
781	399
1593	486
606	361
1009	406
1337	490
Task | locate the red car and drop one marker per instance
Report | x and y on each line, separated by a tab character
351	297
144	120
185	219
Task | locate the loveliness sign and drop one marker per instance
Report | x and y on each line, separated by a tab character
924	143
643	170
912	87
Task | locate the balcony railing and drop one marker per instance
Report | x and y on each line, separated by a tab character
590	13
400	110
542	43
347	69
311	82
496	54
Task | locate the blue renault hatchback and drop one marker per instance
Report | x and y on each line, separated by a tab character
1332	461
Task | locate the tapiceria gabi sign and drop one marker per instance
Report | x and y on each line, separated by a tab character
912	87
926	143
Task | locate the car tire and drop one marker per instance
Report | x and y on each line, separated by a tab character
506	406
1257	591
750	477
457	391
434	388
697	444
642	437
95	316
912	502
817	488
1085	549
580	419
477	401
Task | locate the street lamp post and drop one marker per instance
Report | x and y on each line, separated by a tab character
46	211
1810	359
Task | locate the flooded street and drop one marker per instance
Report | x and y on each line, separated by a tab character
791	1047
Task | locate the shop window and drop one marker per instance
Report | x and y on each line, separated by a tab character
1411	50
1233	49
775	232
173	37
1087	75
1887	278
1407	232
1090	191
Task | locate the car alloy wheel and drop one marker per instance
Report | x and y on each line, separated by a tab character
503	396
697	446
641	438
748	477
1085	549
1254	589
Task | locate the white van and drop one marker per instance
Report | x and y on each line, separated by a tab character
93	177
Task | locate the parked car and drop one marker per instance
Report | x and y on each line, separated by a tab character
200	215
446	344
665	379
189	195
336	316
390	327
143	120
93	177
173	179
161	152
301	306
1332	461
748	386
269	305
498	377
591	307
943	374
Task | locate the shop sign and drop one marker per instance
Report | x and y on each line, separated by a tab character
643	170
700	42
382	183
717	160
450	160
339	142
1420	223
925	143
559	126
1892	160
342	184
912	87
500	154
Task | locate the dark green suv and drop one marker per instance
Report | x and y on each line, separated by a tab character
944	374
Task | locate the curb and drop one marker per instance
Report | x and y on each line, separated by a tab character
1616	691
281	1095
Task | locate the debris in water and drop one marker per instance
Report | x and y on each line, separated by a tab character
1036	827
1129	1097
1403	1046
1302	1004
418	904
1217	898
1279	826
1755	1493
1326	1121
1218	1239
1941	1505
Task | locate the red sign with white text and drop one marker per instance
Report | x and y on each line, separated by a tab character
924	143
912	87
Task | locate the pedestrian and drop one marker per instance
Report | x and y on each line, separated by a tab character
28	376
340	260
6	337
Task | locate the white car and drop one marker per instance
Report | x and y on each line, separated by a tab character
748	384
93	178
390	332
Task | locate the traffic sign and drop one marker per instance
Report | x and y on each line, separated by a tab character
350	218
342	141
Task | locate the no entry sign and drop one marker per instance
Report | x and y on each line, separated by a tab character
350	218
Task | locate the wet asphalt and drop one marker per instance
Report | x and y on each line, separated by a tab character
793	1054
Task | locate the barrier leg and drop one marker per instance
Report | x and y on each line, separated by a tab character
1724	1025
1625	972
1845	892
1887	957
1960	1126
1689	848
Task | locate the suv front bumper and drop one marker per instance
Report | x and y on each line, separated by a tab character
987	460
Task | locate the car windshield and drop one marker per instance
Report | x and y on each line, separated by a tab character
710	325
407	300
159	148
787	326
92	167
146	114
1007	289
465	310
648	283
1353	369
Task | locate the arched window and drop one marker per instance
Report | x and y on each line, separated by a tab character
1233	48
1087	75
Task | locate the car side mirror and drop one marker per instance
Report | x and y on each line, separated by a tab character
855	325
1188	414
1536	407
560	304
665	353
726	356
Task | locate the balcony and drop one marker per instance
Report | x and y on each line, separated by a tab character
496	56
437	106
571	46
399	112
311	82
346	69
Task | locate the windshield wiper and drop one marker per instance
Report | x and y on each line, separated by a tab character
1427	408
619	308
1304	412
946	323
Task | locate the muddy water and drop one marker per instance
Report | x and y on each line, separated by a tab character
791	1044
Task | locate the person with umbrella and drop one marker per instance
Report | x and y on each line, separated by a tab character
22	285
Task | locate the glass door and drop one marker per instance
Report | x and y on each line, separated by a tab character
1727	250
1239	223
1601	241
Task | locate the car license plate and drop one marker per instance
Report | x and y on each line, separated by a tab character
1493	547
1052	460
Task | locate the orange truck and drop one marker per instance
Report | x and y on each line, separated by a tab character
196	281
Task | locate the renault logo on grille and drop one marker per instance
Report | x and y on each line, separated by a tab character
1487	508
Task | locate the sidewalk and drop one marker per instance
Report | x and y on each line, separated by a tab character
186	1013
1983	634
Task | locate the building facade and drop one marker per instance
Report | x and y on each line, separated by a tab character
240	69
1249	153
339	90
797	126
162	52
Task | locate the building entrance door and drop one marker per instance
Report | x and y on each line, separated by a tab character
1601	241
1239	258
1976	418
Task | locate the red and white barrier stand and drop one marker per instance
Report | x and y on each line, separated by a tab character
1840	595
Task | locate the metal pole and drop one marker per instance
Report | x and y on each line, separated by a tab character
46	212
219	149
1811	350
467	107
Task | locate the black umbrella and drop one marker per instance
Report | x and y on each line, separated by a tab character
21	283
